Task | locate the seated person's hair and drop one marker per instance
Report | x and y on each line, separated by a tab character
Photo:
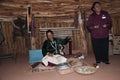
49	31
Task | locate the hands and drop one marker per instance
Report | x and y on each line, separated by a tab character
96	27
104	26
50	54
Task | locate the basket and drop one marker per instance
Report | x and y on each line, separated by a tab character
85	70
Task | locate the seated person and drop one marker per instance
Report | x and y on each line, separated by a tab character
51	49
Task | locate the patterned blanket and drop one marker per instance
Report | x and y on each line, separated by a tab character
73	62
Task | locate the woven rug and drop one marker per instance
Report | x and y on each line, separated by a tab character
73	62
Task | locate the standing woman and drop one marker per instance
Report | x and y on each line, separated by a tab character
99	24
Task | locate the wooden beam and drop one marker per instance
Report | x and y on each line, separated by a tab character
51	8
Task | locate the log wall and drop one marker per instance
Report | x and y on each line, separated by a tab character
116	25
9	46
19	47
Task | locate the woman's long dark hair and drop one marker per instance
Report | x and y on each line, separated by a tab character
93	5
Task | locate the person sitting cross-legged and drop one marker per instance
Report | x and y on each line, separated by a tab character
51	49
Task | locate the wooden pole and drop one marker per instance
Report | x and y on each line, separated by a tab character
82	29
31	27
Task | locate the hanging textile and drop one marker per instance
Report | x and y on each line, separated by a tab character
33	26
76	23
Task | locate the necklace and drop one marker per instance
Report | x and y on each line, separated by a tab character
54	46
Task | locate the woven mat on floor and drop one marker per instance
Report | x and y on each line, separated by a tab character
74	62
